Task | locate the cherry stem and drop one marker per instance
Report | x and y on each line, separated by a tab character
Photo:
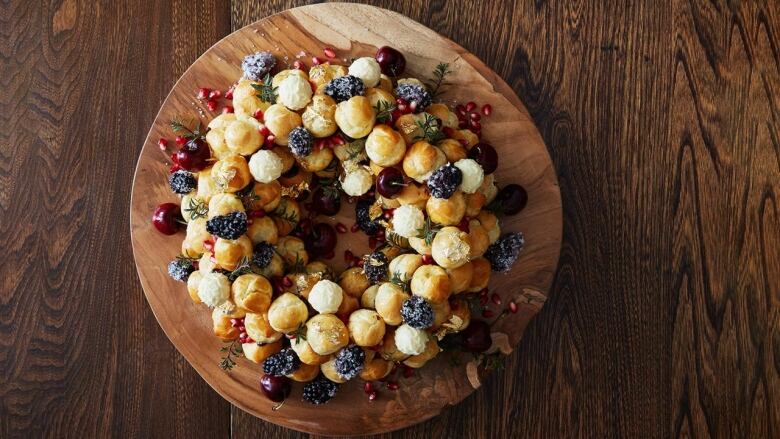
277	406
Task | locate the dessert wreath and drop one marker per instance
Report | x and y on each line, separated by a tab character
254	182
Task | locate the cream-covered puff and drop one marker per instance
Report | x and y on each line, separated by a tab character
357	182
222	326
305	353
326	334
355	117
214	289
366	299
265	166
473	175
257	353
389	299
367	69
294	92
407	221
453	150
280	121
353	281
230	252
287	313
431	282
460	277
450	247
366	327
262	230
385	146
421	160
446	211
326	297
245	99
410	341
252	292
319	118
284	74
431	350
259	329
481	275
404	266
223	204
231	174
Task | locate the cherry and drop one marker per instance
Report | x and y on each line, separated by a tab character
390	182
325	202
321	240
512	198
476	337
486	156
193	156
391	61
167	218
275	388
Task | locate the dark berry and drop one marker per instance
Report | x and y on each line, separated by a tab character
300	141
414	93
345	87
417	313
503	253
321	240
444	181
257	65
476	337
275	388
486	156
262	254
167	218
349	362
182	182
230	226
282	363
391	61
375	267
370	227
180	269
320	390
512	198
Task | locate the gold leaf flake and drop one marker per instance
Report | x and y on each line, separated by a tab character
294	191
375	211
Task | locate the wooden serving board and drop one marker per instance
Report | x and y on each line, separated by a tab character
353	31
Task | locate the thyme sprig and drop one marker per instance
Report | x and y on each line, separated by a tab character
439	74
180	128
384	111
196	208
266	91
430	130
356	150
299	334
428	231
401	281
233	350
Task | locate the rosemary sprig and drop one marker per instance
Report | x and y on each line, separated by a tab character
299	334
430	130
281	212
234	349
295	267
179	128
428	231
439	74
248	199
494	361
401	281
243	267
383	111
266	91
196	208
395	240
356	150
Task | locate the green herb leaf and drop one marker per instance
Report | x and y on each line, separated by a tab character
196	209
439	74
266	91
179	128
430	130
383	111
234	349
428	231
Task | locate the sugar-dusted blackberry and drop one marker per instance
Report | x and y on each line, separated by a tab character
262	254
375	267
349	362
257	65
370	227
345	87
182	182
503	253
180	269
414	93
300	141
320	390
444	181
230	226
282	363
417	313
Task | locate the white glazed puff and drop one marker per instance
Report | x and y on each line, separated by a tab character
367	69
389	299
421	160
367	298
292	250
214	289
206	186
252	292
376	369
245	99
474	203
275	267
460	277
404	266
318	160
432	349
223	204
192	245
385	146
450	247
242	136
322	74
329	371
443	113
452	149
446	211
388	351
304	373
353	281
326	297
230	252
490	223
305	353
222	326
326	334
355	117
413	194
472	173
280	121
265	166
357	182
380	98
366	327
257	353
478	239
432	283
407	221
410	341
287	313
259	329
192	286
262	230
231	174
319	118
277	79
294	92
481	276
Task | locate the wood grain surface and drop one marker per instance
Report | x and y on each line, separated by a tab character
662	121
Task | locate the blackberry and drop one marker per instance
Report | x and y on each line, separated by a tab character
262	254
368	226
344	87
444	181
417	313
230	226
320	390
282	363
375	267
414	93
503	253
257	65
300	141
180	269
182	182
349	362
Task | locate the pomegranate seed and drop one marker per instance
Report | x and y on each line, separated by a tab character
354	228
464	142
462	124
341	228
203	93
269	141
208	245
380	234
241	327
372	396
413	105
391	385
427	259
338	140
257	213
513	307
483	300
495	298
286	281
215	94
298	65
316	61
330	255
487	109
259	116
330	53
263	129
227	110
396	114
475	124
250	340
483	292
368	387
211	104
229	93
162	143
242	335
319	144
488	313
401	101
348	256
460	109
360	262
401	107
234	322
464	225
181	140
475	116
470	106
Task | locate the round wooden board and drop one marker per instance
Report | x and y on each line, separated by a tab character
353	30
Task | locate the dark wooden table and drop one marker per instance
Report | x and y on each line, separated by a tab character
663	119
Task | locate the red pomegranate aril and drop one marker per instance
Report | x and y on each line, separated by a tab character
372	396
203	93
338	140
181	140
413	106
259	116
329	52
513	307
162	143
401	101
368	387
269	141
174	167
298	65
483	300
470	106
360	262
234	322
402	107
227	110
354	228
242	335
208	245
488	313
286	281
487	109
215	94
257	214
461	110
462	124
211	104
316	61
495	298
229	93
408	372
391	385
475	124
463	226
341	228
427	259
475	116
483	292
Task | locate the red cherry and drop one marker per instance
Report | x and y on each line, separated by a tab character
390	182
325	203
391	61
321	240
193	156
486	156
167	218
476	337
275	388
512	198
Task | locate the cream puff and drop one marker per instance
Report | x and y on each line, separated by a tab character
287	313
442	112
349	304
389	299
207	187
222	326
223	204
286	216
321	269
329	371
453	150
421	160
326	297
293	251
446	211
326	334
252	292
410	341
192	286
294	92
275	267
262	230
481	276
320	75
280	121
467	136
366	299
215	136
385	146
305	353
231	174
389	351
304	373
355	117
196	235
473	175
385	83
380	99
441	313
489	221
367	69
376	369
286	156
257	353
450	247
407	221
278	78
319	118
460	277
413	194
409	125
214	289
366	327
242	136
259	329
264	196
460	308
431	350
420	245
474	203
357	182
318	160
478	239
265	166
246	102
230	252
404	266
353	281
432	283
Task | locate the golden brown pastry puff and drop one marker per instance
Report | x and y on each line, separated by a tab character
421	160
285	155
366	300
241	136
460	308
488	188
441	313
206	185
353	281
432	283
460	277
275	267
478	239
252	292
215	136
355	116
292	251
192	286
305	373
413	194
404	266
262	230
443	113
348	305
453	150
490	223
326	334
295	176
329	370
302	283
318	160
280	121
385	146
259	329
388	351
245	99
432	349
376	369
446	211
450	247
257	353
319	118
481	275
389	299
223	204
222	326
287	313
470	138
366	327
380	98
320	268
231	174
420	246
286	216
230	252
192	246
306	354
474	203
322	74
385	83
264	196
